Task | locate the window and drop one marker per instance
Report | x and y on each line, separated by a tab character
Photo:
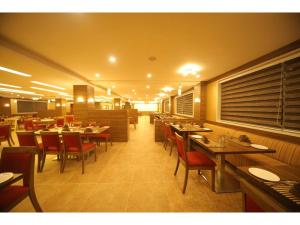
267	97
184	105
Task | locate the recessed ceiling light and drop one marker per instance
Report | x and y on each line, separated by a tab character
112	59
189	69
148	86
197	76
97	74
8	85
162	94
167	89
47	85
133	90
45	89
14	72
114	86
149	75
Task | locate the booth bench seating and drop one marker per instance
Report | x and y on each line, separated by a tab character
287	153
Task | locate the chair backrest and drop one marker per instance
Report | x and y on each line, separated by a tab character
165	129
60	122
169	130
69	119
19	160
72	141
5	131
180	147
50	141
27	138
28	124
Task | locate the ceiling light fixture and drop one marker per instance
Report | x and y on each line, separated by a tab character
112	59
14	72
11	86
45	89
162	94
198	76
167	89
189	69
19	91
97	74
47	85
149	75
114	86
148	86
91	100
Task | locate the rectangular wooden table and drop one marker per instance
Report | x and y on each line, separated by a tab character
14	179
272	196
224	181
95	130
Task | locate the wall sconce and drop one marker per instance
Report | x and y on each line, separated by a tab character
6	105
117	104
179	91
15	100
57	105
108	91
63	105
80	99
91	100
198	100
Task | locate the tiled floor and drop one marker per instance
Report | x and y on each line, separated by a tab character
136	176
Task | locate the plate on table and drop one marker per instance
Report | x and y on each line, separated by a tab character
197	136
259	146
264	174
5	177
206	128
105	127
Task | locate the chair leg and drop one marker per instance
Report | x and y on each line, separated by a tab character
43	161
65	157
61	162
9	143
95	154
12	140
39	162
185	179
213	179
171	148
106	144
110	141
177	165
34	201
82	160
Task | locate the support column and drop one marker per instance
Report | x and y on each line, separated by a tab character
83	101
60	107
117	103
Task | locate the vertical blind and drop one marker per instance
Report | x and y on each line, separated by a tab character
268	97
184	104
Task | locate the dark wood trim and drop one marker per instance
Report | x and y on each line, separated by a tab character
285	49
284	137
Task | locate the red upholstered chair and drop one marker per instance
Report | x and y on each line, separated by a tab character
28	139
29	125
170	137
60	122
69	119
250	205
193	160
18	160
104	136
5	133
51	146
74	146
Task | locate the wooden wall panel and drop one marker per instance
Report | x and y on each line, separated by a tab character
6	111
116	119
134	114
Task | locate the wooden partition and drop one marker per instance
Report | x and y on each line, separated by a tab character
116	119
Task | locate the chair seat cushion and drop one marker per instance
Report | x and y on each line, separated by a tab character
11	195
54	148
88	146
196	158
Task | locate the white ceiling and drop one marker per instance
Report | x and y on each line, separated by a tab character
83	42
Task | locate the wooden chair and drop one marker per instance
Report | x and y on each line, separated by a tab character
5	134
74	146
28	139
18	160
29	125
60	122
193	160
169	137
51	146
104	136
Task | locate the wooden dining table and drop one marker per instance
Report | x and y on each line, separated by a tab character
218	149
94	130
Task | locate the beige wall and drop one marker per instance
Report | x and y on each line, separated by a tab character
212	101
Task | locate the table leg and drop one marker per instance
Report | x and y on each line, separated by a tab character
220	170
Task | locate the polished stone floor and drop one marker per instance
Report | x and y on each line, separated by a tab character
136	176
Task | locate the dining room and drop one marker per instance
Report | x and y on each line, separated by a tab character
169	120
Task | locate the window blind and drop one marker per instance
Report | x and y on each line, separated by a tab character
184	104
268	97
291	103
